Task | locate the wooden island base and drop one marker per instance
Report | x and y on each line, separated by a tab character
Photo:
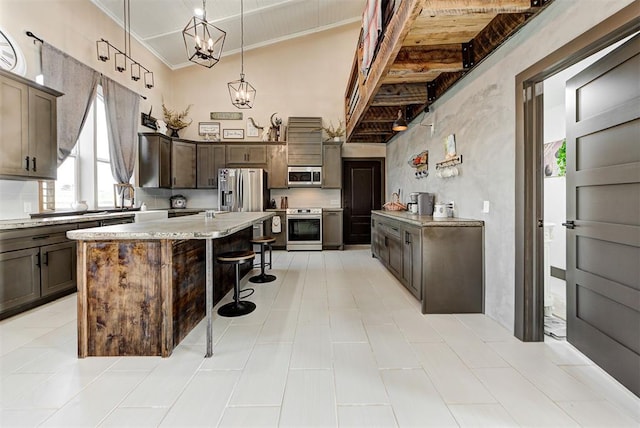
142	297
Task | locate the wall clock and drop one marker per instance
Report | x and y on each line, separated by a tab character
11	57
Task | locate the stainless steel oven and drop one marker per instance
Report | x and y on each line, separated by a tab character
304	229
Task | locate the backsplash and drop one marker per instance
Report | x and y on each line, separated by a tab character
309	198
19	198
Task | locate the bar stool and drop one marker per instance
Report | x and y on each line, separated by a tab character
237	307
262	241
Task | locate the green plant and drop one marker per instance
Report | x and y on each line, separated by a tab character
561	159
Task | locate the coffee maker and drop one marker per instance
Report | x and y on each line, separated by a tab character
412	205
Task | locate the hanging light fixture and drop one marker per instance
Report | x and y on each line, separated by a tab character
242	93
202	40
121	58
399	124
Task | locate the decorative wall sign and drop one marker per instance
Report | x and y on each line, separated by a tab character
149	121
450	146
211	128
233	134
421	163
225	115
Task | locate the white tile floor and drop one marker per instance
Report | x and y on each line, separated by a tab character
335	341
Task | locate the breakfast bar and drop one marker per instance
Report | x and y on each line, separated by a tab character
143	286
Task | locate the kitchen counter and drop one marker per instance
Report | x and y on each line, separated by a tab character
427	220
142	287
189	227
21	223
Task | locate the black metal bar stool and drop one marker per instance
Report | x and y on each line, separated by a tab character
237	307
263	277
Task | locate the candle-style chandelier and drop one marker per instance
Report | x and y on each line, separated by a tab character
242	93
121	58
203	40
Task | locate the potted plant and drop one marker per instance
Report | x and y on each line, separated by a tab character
176	120
334	133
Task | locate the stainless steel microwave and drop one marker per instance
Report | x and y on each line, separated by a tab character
304	176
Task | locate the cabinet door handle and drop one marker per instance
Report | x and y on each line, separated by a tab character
38	259
26	163
385	241
174	181
34	163
46	259
40	237
569	224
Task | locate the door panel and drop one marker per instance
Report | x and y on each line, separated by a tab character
362	193
603	199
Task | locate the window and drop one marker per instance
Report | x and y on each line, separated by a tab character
86	172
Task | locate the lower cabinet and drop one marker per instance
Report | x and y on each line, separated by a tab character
35	263
332	229
441	265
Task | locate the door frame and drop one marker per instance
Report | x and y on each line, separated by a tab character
383	184
529	209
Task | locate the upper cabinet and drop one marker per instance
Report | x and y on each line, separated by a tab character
277	166
332	165
246	154
304	138
28	129
211	157
154	160
183	164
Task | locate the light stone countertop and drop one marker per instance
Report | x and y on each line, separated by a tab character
21	223
187	227
427	220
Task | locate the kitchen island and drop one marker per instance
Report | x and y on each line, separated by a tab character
439	260
143	286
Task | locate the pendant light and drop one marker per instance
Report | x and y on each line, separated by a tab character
202	40
399	124
242	93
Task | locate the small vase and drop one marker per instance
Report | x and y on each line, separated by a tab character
336	139
174	133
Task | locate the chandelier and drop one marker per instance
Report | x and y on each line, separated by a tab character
202	40
121	58
242	93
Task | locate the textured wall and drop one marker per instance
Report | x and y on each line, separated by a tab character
480	111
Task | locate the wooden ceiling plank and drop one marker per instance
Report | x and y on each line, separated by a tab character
442	30
396	32
496	32
460	7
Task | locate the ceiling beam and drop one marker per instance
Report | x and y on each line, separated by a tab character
400	94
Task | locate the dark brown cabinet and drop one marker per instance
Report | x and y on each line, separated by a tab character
440	263
332	165
154	160
277	166
211	157
332	229
246	154
183	164
28	129
35	263
412	260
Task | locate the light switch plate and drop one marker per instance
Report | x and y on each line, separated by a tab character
485	207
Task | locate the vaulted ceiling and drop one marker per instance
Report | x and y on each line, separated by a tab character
428	45
158	24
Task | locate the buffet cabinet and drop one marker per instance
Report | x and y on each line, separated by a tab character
28	129
440	262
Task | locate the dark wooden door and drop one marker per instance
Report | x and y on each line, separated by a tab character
362	193
603	213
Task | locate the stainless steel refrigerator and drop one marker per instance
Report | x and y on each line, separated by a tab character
243	189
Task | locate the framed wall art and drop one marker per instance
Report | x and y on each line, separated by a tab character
210	128
233	134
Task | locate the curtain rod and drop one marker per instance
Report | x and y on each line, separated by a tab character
38	39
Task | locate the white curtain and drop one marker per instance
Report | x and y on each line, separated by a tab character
122	107
78	83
